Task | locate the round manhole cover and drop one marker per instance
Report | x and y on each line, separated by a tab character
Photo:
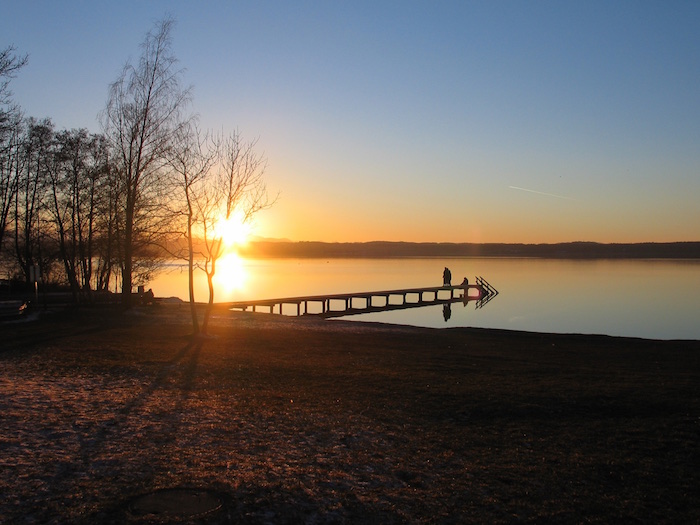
175	503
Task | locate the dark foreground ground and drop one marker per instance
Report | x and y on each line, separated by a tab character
289	421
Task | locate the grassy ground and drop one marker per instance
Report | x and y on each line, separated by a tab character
294	421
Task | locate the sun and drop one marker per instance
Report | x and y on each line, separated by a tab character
234	231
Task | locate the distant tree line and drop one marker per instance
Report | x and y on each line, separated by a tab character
386	249
94	211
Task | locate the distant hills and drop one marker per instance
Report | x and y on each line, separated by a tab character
385	249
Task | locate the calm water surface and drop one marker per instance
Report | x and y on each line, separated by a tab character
639	298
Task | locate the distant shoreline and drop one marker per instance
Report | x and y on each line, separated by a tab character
386	249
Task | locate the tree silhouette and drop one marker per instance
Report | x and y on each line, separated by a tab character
143	115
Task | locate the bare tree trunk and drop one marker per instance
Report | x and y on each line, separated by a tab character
210	283
128	255
68	260
190	270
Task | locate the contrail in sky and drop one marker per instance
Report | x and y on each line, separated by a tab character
542	193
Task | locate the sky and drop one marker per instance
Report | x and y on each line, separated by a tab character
432	121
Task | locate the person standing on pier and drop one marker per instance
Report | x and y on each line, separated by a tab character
446	277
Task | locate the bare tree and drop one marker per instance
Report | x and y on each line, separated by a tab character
11	165
63	197
192	159
76	175
107	222
144	111
218	178
30	222
11	128
237	189
10	63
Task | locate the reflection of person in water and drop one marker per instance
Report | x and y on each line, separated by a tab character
446	277
446	311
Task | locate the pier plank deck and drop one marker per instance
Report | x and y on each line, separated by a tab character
340	304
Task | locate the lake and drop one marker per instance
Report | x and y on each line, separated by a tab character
657	299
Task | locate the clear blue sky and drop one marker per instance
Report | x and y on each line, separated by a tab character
503	121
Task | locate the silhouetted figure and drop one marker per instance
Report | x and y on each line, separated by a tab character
446	277
146	297
465	294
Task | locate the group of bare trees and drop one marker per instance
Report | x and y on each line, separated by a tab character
56	198
91	209
59	207
218	176
56	203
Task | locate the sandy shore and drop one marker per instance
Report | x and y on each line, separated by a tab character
275	420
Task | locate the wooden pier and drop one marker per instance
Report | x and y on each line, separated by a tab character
338	305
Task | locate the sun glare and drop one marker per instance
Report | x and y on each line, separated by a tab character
234	231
